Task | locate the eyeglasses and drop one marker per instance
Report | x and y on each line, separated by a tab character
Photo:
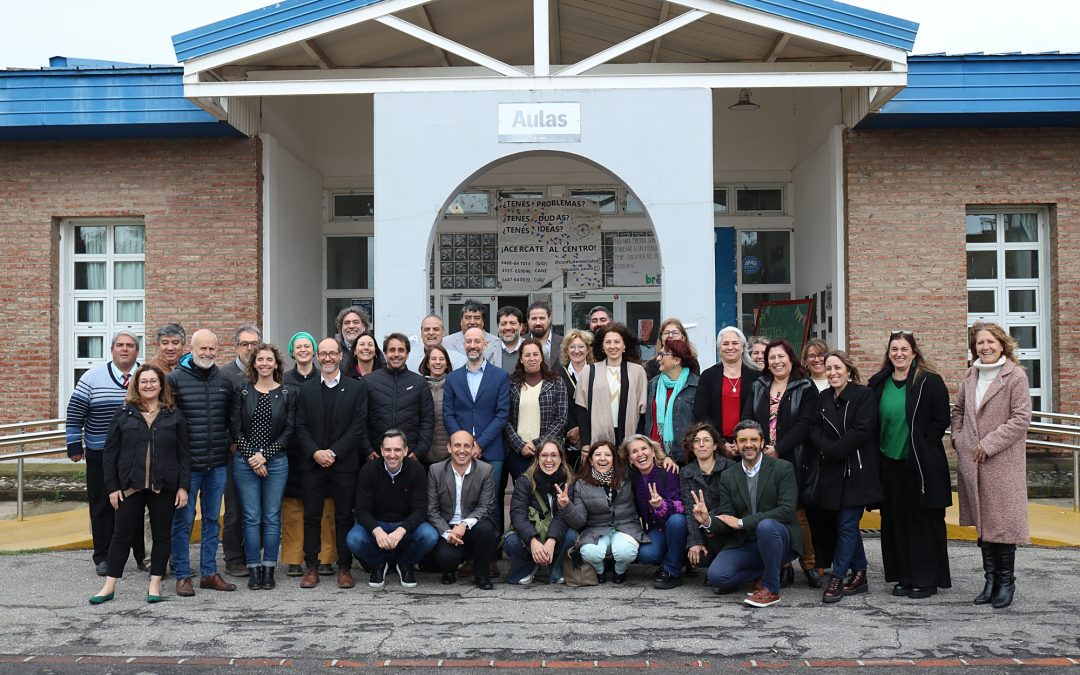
661	355
704	441
814	357
327	355
672	333
248	344
901	332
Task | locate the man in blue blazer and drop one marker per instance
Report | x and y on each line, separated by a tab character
476	399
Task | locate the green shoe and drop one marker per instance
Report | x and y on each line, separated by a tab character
99	599
154	598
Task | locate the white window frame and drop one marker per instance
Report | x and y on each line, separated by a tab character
70	331
1001	287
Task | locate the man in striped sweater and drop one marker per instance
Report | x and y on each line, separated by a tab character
97	396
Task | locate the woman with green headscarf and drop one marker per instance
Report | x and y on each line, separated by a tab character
669	408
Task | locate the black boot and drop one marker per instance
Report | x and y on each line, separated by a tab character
267	574
989	559
1006	561
254	578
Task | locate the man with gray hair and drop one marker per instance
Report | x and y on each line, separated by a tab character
97	396
246	338
170	339
599	317
204	395
432	333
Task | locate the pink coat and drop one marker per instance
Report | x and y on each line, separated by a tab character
993	495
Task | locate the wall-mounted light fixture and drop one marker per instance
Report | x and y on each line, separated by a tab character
744	102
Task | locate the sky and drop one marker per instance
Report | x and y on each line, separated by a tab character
141	31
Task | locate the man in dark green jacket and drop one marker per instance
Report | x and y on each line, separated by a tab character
756	516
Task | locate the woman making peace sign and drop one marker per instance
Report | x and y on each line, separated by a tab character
659	503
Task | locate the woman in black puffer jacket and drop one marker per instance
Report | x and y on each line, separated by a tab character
848	482
147	463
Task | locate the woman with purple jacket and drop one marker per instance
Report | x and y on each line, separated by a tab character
658	498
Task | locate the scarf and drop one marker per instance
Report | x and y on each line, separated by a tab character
665	404
545	484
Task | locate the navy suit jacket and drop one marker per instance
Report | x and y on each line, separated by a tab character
485	417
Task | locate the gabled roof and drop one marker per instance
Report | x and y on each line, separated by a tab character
289	14
104	100
985	90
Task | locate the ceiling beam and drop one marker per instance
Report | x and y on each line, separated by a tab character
461	50
777	46
632	43
423	17
665	9
555	31
541	38
312	49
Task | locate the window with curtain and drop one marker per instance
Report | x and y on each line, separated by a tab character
104	279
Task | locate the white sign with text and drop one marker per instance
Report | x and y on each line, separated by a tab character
539	122
635	261
543	239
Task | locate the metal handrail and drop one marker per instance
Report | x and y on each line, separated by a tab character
38	423
31	437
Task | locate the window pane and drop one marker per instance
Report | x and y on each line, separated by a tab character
981	302
1025	336
1021	264
354	206
759	199
766	257
89	276
521	194
1034	372
750	301
90	240
981	229
470	203
1022	300
1021	227
129	239
605	198
79	372
719	201
89	347
347	263
90	311
982	264
129	311
633	204
1036	404
128	275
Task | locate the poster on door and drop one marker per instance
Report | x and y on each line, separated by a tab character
635	261
540	240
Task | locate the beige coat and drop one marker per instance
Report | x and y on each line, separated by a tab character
993	495
601	424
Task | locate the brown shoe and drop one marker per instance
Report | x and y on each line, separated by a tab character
755	586
216	583
856	584
311	578
763	598
344	578
184	588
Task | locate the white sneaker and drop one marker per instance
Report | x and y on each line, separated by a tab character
527	580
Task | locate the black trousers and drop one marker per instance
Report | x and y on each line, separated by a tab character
129	529
102	516
318	484
913	543
823	534
479	546
232	532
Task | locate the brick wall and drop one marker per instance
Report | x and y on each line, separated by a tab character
907	194
200	200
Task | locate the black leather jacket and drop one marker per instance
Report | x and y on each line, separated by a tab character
126	446
282	420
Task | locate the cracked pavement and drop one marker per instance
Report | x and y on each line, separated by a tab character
45	598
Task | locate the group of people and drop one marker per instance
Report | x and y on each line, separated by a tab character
400	455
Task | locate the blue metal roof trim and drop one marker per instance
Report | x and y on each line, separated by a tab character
289	14
977	89
43	103
259	23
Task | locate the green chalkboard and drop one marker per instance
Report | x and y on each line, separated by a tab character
786	319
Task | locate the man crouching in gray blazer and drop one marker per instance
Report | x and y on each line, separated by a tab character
460	494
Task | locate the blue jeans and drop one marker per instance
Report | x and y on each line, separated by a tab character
412	547
623	547
760	557
260	501
521	563
666	547
208	487
849	554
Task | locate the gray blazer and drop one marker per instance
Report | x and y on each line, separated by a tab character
478	493
590	514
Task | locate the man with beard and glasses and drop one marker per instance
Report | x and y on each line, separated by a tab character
539	317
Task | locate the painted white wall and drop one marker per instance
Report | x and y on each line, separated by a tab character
428	145
818	215
292	245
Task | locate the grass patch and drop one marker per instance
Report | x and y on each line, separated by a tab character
24	551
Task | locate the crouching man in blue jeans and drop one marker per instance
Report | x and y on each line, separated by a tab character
756	515
391	514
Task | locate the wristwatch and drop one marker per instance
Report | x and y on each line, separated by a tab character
334	455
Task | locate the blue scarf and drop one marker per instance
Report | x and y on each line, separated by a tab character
663	410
